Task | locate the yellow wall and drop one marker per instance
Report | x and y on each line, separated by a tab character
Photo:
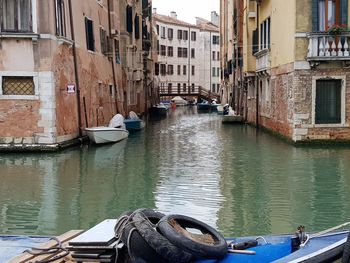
282	15
249	24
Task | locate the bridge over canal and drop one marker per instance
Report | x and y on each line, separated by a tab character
190	93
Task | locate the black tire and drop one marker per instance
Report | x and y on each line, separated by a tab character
138	248
164	249
200	250
346	251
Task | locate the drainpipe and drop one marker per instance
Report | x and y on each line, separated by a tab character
256	76
112	60
210	58
189	57
76	69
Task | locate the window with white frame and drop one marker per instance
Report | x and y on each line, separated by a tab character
60	12
265	36
16	16
328	101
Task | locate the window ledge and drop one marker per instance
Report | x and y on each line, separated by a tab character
65	40
33	36
340	125
19	97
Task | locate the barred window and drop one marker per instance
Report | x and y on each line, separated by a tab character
18	86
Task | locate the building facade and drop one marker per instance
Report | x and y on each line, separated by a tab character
295	57
61	68
185	60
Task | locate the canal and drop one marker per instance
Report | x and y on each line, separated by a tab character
234	178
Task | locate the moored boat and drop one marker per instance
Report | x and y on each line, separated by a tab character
159	109
133	122
115	131
203	106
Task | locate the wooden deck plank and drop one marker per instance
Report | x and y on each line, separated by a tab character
26	257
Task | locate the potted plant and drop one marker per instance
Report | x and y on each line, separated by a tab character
336	29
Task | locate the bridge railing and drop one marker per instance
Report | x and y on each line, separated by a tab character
197	91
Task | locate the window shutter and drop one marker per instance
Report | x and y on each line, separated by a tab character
137	27
344	11
315	15
129	19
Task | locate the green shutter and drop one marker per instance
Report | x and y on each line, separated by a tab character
315	15
344	11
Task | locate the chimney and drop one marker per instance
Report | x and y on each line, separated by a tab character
215	18
173	14
154	10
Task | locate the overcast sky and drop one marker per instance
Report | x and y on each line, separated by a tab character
187	10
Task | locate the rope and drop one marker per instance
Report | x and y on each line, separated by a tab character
47	251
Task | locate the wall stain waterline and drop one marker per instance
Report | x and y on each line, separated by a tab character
235	178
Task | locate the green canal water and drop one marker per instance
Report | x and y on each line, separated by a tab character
235	178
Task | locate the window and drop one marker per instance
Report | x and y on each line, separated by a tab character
158	47
89	28
193	36
217	88
179	52
178	69
216	40
156	69
265	34
328	14
162	69
170	87
213	87
18	86
179	34
184	87
328	101
157	30
170	33
103	41
185	35
163	50
162	32
218	56
217	72
214	55
178	87
184	52
192	87
170	70
60	18
129	19
170	51
137	26
213	72
184	70
117	51
193	53
16	16
192	70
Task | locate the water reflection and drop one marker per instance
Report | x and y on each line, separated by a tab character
235	178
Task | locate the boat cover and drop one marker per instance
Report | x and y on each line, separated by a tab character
133	115
12	246
117	121
264	253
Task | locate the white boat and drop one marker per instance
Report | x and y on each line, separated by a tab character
115	131
106	134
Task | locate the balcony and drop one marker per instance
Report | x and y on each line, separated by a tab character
326	47
263	60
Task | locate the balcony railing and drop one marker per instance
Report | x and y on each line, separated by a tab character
262	60
324	46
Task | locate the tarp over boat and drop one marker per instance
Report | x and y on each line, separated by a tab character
12	246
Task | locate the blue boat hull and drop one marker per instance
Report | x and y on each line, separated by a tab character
279	249
203	106
134	125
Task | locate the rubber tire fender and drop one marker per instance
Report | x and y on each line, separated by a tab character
198	249
346	251
163	247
